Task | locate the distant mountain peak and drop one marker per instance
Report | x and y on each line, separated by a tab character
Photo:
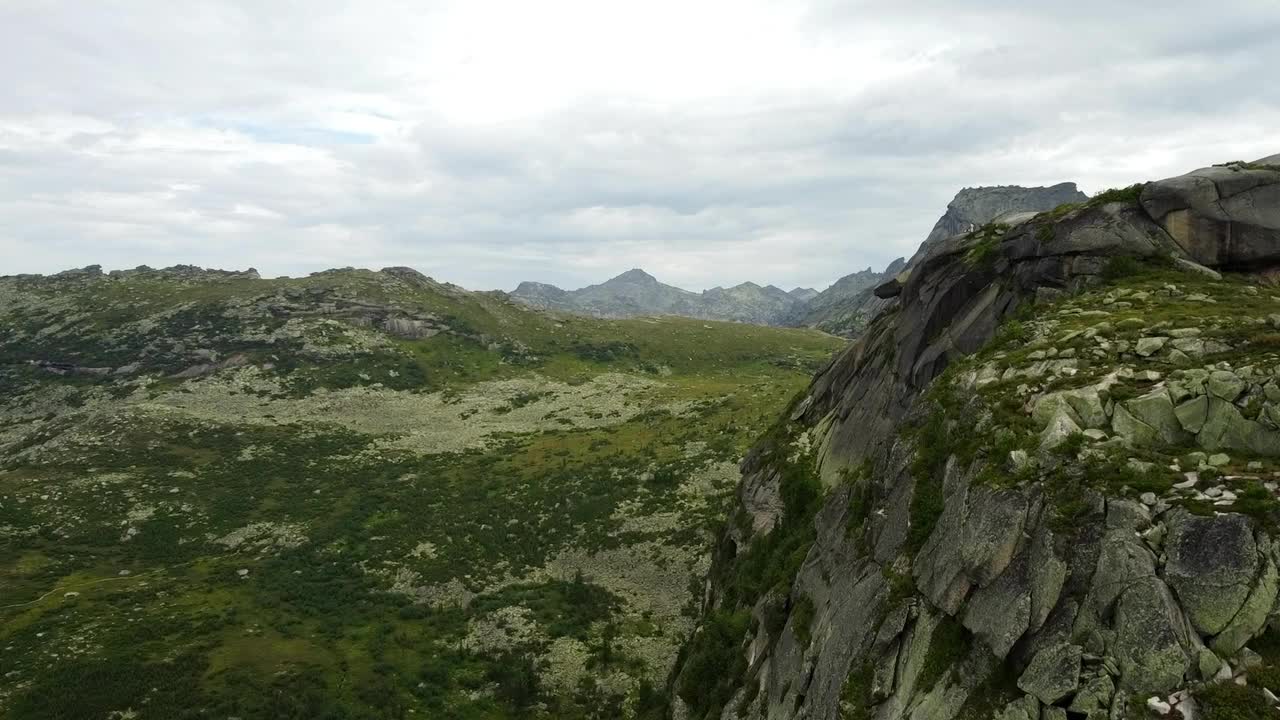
636	292
635	275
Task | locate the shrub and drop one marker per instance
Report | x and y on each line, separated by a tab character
1228	701
802	620
715	662
1125	195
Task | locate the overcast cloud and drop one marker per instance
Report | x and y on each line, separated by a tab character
486	142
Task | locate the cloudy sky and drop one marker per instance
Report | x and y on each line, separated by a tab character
486	142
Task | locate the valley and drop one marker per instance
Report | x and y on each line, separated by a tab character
358	494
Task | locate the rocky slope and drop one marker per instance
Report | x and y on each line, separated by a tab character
637	293
357	495
1042	484
849	304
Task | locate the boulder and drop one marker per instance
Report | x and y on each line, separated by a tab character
1193	413
1226	385
1083	405
1053	673
1252	616
1052	712
1148	346
1094	696
1156	410
1134	432
1151	638
1222	217
1123	561
1024	708
1212	563
1225	428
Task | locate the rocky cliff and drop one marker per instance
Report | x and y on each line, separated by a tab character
974	207
1042	484
849	304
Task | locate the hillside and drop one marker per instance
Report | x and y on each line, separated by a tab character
357	495
1042	484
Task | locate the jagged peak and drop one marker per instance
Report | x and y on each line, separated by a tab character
634	275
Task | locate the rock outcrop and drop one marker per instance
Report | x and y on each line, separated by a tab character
851	302
974	207
1005	486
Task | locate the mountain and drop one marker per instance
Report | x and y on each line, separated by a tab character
358	494
848	305
637	293
1040	485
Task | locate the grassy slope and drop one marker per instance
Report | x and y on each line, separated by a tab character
168	552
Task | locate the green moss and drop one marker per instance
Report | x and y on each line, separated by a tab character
949	643
986	242
902	586
1128	195
997	689
855	695
802	619
1229	701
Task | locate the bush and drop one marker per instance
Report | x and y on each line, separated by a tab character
715	662
802	620
1228	701
1125	195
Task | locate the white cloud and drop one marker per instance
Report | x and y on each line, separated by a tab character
488	141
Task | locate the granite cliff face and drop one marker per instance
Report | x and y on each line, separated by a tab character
1042	484
849	304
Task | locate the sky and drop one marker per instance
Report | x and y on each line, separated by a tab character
484	143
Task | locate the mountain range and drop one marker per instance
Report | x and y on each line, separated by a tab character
636	292
844	308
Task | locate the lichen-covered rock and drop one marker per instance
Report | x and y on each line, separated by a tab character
973	543
1226	428
1150	420
1054	673
1193	413
1094	696
1252	616
1212	564
1026	707
1082	405
1152	639
1226	385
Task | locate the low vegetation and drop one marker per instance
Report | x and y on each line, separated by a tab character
230	497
